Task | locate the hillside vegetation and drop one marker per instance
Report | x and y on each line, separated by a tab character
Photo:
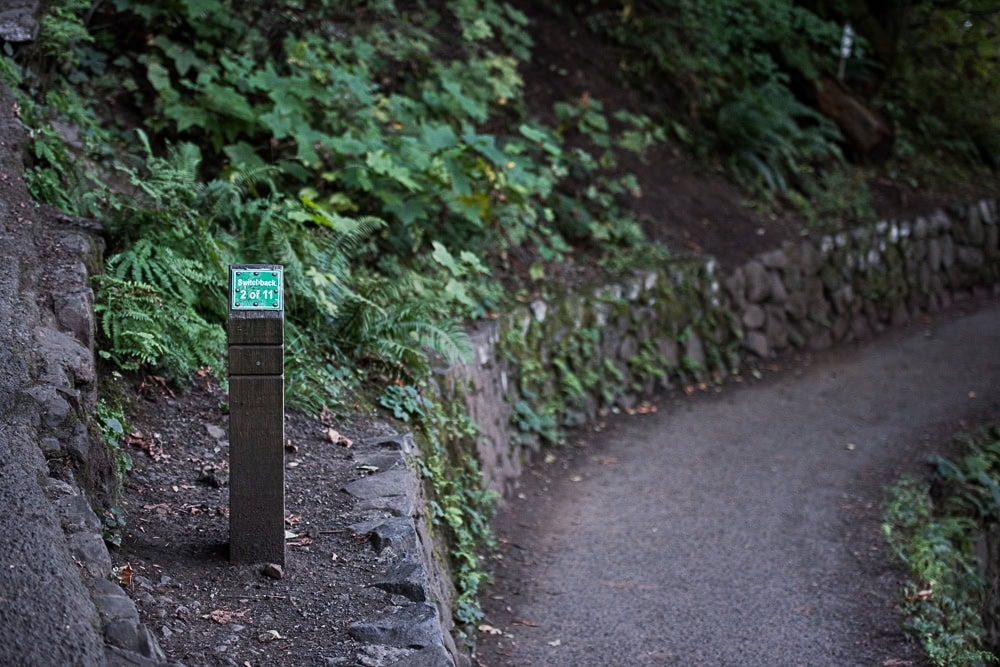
384	152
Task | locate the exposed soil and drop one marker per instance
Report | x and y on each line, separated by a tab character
206	611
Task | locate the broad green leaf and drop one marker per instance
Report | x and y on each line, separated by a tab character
442	256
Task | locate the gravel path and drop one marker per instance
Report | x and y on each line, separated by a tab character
738	527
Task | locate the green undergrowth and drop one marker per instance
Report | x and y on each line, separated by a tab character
933	527
589	350
459	506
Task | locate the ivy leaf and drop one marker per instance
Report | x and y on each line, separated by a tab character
158	76
242	155
442	256
438	137
473	262
228	102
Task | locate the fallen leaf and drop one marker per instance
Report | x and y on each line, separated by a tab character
325	416
269	636
224	615
163	509
124	574
529	624
550	458
338	438
576	478
607	460
489	630
555	642
851	446
303	541
145	443
972	394
293	519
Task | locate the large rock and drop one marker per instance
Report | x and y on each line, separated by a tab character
413	626
19	20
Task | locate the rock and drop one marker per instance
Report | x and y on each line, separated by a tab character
63	361
74	312
629	348
754	317
736	284
992	242
934	254
431	656
778	292
382	461
970	256
89	549
215	432
214	475
777	327
756	342
54	407
810	259
394	491
776	259
19	20
413	626
758	282
694	353
397	533
77	515
382	656
406	577
947	251
274	571
538	309
403	443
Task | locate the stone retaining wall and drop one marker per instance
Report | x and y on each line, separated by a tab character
558	363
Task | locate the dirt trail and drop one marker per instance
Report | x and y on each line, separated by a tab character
739	528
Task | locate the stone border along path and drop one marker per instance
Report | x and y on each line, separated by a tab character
684	325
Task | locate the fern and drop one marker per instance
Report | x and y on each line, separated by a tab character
771	136
145	326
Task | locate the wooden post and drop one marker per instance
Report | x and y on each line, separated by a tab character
256	414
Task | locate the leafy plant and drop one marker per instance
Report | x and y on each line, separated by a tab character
113	427
945	598
772	138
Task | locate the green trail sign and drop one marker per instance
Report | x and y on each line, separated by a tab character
253	289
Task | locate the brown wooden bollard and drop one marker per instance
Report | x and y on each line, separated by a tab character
256	414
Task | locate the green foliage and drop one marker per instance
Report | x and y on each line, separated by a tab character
943	80
836	199
732	64
459	504
772	138
945	598
113	427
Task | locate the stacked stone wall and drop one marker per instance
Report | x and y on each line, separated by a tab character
561	362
